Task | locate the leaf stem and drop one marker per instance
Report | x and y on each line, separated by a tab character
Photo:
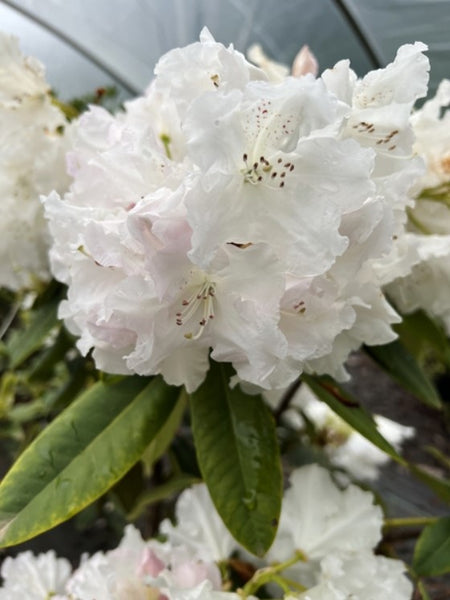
409	522
423	590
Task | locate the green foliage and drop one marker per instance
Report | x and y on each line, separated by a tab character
174	485
403	368
24	342
162	440
425	339
239	458
349	409
432	552
77	458
440	486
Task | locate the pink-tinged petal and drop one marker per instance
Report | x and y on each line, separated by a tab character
305	62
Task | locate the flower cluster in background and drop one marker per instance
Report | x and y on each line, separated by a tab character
32	162
324	550
427	284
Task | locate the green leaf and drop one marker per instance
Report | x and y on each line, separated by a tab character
432	552
239	458
79	456
403	368
418	331
163	438
439	456
441	487
349	409
43	367
161	492
24	342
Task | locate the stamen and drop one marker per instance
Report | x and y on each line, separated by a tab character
258	172
203	296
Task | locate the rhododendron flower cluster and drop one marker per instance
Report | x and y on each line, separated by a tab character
427	285
225	212
32	149
324	546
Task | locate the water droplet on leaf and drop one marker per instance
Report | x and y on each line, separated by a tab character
250	500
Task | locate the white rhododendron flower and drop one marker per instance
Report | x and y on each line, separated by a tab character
273	70
379	117
326	536
224	213
360	576
141	570
305	62
427	284
31	163
432	131
199	526
29	577
318	518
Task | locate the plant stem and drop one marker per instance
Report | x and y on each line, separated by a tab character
409	522
267	574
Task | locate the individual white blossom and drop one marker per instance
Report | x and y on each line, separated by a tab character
141	570
318	518
31	163
305	62
431	126
119	573
199	527
227	215
426	284
360	576
29	577
274	71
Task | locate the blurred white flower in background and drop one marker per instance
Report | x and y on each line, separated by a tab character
32	147
427	286
344	447
335	530
29	577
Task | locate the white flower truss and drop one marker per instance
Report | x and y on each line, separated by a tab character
226	212
335	530
427	286
31	163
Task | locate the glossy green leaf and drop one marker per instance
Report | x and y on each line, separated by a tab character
239	458
79	456
432	552
349	409
25	341
403	368
162	440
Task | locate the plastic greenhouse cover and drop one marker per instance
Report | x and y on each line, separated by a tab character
90	43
